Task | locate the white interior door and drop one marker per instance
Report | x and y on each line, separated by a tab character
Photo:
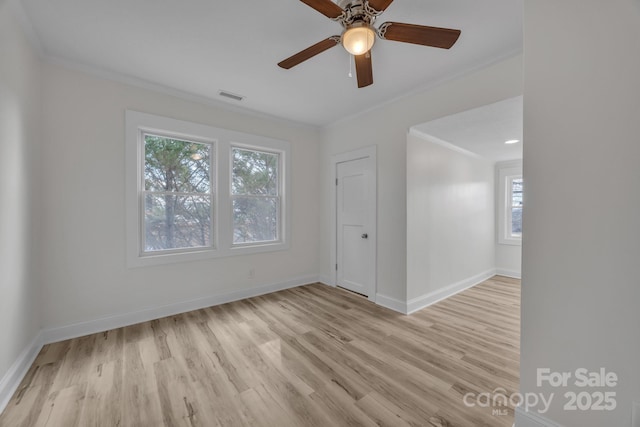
355	264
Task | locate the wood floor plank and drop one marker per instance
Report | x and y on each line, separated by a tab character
385	405
103	397
334	402
267	410
25	411
379	414
63	407
263	411
234	373
141	404
307	356
77	363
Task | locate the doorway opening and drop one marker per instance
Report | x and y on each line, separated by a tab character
464	200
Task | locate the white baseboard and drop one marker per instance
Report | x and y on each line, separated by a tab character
119	320
423	301
11	380
391	303
508	273
532	419
326	280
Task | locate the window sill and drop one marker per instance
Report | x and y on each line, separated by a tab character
199	255
510	242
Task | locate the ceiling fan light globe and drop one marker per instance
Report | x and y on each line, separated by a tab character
358	40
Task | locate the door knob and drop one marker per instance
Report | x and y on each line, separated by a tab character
365	236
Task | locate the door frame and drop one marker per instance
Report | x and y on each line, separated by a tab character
370	152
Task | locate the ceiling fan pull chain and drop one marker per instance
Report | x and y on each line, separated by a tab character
350	65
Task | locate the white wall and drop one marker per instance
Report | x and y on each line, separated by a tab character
387	128
84	266
509	260
19	177
450	218
581	282
508	257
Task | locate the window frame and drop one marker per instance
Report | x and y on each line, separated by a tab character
506	174
281	175
213	193
136	125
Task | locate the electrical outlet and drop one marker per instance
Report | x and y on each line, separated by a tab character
252	273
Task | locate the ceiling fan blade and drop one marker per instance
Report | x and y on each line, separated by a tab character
380	5
364	70
419	34
309	52
325	7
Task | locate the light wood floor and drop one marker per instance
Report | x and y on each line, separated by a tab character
309	356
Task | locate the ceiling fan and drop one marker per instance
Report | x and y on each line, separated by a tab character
357	17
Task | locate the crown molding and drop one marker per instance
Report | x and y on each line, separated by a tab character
446	144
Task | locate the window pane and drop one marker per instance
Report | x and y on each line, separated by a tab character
516	220
516	192
173	222
255	219
254	173
176	165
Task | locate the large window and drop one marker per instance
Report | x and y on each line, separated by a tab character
196	192
510	203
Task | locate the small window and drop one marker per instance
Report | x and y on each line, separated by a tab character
177	195
515	206
255	194
510	202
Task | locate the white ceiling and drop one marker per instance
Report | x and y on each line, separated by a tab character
202	46
482	130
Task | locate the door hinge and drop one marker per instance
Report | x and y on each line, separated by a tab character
336	181
336	267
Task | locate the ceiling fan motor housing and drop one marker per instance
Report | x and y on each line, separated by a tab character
356	11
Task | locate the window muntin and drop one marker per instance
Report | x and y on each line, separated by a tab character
177	194
255	195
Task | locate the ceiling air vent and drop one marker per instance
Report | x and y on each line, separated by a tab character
231	95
